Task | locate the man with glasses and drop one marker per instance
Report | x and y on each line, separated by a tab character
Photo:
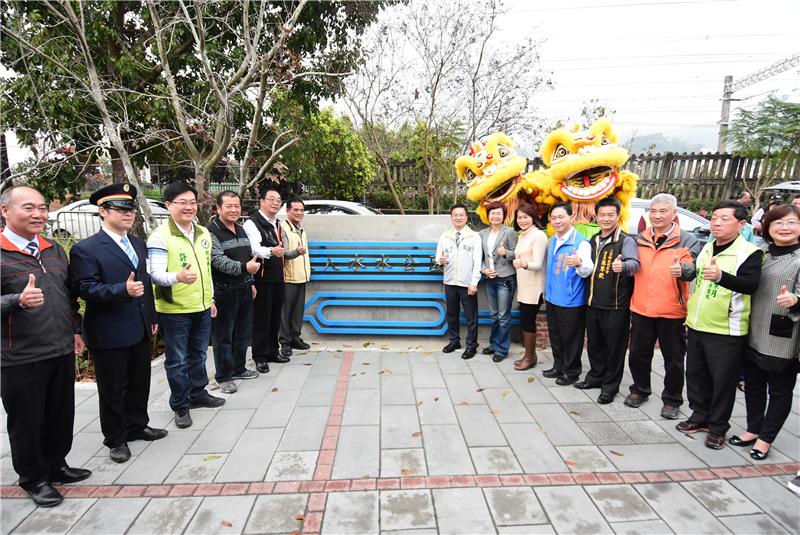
179	255
266	241
40	338
109	271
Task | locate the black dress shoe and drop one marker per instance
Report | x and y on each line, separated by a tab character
279	359
758	455
300	344
452	346
120	454
564	381
262	367
147	433
469	353
552	372
286	351
583	385
209	401
69	475
44	495
736	441
605	398
498	358
487	350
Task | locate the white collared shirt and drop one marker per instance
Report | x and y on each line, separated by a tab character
18	241
584	251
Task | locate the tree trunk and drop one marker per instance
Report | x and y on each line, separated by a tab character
118	174
387	175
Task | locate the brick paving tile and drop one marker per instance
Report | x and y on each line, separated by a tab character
725	473
412	483
286	487
463	481
331	431
701	474
560	479
208	489
487	481
312	523
536	479
790	468
338	486
326	457
316	501
329	443
233	489
78	492
106	492
312	486
131	491
261	488
362	484
585	479
323	472
679	475
609	478
388	484
512	480
12	492
768	469
182	490
335	420
657	477
438	482
155	491
633	477
747	471
337	411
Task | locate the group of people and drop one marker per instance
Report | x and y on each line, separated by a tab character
621	291
189	281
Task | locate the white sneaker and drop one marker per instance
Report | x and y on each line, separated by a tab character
794	484
228	387
247	374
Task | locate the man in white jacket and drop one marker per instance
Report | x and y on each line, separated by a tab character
459	252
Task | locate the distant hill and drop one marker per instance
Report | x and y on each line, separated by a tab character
655	143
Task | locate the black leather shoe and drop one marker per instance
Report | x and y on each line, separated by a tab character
147	433
736	441
498	358
279	359
120	454
286	351
209	401
452	346
69	475
183	419
469	353
564	381
300	344
583	385
487	350
605	398
44	495
262	367
758	455
552	372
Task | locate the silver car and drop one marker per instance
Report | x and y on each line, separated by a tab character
79	220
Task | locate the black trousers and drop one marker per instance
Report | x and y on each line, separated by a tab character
39	399
607	334
565	327
292	317
713	362
267	307
671	336
457	297
766	419
123	388
527	316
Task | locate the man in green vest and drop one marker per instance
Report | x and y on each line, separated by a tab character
179	255
728	273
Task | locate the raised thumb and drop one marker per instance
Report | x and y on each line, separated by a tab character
131	276
675	260
31	281
713	261
187	267
619	257
784	289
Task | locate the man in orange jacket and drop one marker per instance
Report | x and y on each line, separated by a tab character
658	308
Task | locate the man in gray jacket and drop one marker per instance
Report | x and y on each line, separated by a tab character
459	251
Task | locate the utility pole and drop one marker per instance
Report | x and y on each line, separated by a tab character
730	87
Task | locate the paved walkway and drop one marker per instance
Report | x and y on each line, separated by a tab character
414	442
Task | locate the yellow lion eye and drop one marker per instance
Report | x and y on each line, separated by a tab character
560	152
605	141
503	151
469	175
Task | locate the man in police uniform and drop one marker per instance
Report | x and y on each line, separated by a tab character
109	271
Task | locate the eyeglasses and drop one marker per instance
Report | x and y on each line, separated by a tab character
184	204
120	209
786	224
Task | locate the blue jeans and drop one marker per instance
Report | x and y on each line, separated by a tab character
231	328
500	292
185	346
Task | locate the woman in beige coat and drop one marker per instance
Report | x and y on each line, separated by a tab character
529	259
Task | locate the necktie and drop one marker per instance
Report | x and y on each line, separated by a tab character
458	239
128	248
33	248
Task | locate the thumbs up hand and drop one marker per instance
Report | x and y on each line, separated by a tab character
786	299
31	296
501	250
135	288
187	276
253	265
711	272
573	260
616	265
675	269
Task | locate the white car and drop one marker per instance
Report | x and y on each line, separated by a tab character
688	221
333	207
79	220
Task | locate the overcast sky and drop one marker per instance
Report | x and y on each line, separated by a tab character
659	64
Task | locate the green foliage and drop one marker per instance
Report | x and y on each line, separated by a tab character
696	204
772	128
330	158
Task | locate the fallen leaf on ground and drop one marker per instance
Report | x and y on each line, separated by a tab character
436	399
576	413
617	453
480	390
505	393
365	363
419	403
530	379
569	462
463	403
385	347
275	389
226	524
416	434
300	518
211	457
405	472
366	344
362	373
386	370
495	412
353	375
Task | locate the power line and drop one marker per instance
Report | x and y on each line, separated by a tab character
603	6
584	58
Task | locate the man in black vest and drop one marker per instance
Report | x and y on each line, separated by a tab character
608	316
264	232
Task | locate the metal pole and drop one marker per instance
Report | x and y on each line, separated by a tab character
724	119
